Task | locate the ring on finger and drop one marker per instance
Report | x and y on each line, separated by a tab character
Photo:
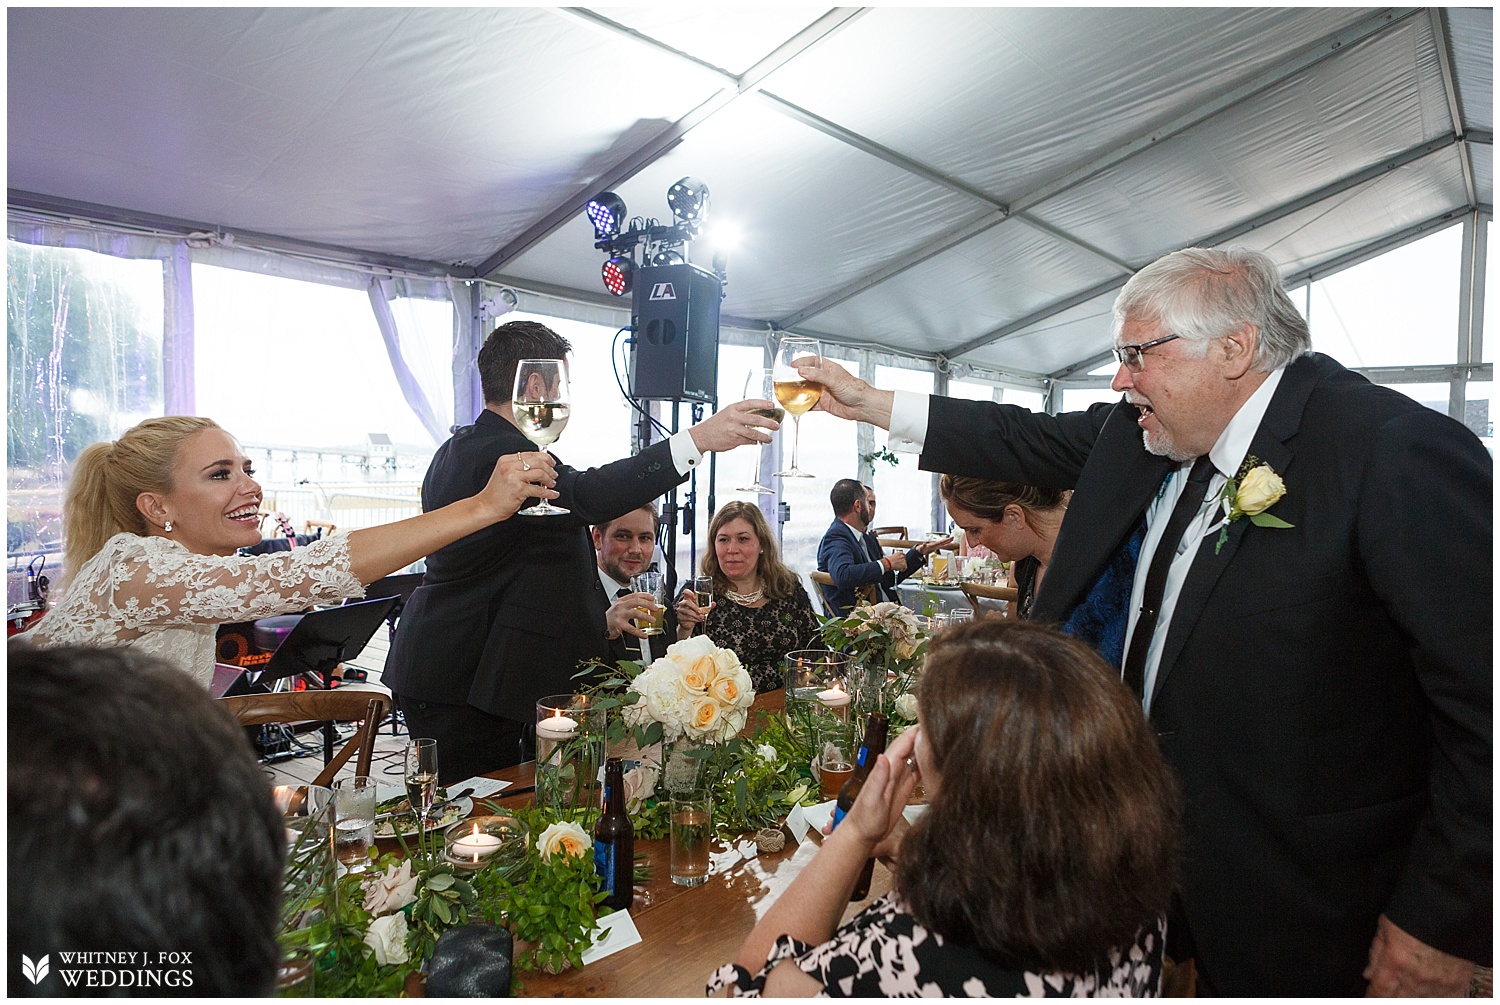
911	762
525	466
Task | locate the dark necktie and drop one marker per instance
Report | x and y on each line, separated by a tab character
1188	505
623	591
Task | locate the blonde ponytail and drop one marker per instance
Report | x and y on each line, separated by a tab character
107	478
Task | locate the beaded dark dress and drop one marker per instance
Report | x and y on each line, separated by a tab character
762	636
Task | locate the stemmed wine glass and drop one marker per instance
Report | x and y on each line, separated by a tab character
540	405
761	383
421	781
795	393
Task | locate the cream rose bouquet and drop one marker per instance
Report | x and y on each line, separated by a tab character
695	690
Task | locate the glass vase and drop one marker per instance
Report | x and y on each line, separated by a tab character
570	741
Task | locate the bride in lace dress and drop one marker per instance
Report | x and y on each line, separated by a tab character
1043	865
152	522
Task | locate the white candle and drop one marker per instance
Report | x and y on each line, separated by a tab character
556	727
834	697
477	844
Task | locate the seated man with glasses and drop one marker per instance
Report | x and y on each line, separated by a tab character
1249	510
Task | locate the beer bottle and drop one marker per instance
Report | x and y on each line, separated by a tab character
614	841
871	747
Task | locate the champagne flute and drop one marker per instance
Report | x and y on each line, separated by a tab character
761	383
421	780
703	595
540	405
795	393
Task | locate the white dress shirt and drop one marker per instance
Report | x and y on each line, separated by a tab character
685	453
909	433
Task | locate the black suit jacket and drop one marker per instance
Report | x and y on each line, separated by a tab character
503	617
1324	692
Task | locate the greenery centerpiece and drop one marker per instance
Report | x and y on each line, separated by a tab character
887	644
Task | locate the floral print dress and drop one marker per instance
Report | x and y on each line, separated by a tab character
762	636
883	951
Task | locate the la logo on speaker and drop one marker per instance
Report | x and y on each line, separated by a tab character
662	291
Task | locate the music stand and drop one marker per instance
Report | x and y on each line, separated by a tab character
324	639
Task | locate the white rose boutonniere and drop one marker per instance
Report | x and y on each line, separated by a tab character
1256	490
387	936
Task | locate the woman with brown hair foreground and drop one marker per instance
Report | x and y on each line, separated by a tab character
1044	862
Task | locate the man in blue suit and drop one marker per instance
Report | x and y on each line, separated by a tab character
861	571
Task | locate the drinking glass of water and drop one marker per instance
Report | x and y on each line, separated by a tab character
354	821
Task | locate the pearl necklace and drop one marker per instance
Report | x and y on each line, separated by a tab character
745	599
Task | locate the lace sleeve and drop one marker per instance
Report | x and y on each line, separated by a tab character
141	584
742	984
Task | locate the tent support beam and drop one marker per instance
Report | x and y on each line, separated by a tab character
51	205
1439	19
655	148
1301	61
1270	216
1307	276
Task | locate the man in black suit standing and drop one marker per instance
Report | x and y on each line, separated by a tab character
625	546
502	618
1296	566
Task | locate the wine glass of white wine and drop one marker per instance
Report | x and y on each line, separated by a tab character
761	383
540	405
795	394
421	780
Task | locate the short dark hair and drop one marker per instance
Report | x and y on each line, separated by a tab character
508	345
1050	779
987	499
603	528
846	492
139	820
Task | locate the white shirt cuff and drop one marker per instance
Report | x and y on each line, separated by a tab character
908	422
685	453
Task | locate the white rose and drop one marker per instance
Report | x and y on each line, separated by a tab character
392	890
906	707
688	650
387	936
725	661
564	837
883	608
640	784
767	752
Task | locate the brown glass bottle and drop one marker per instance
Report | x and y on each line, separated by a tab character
870	748
614	841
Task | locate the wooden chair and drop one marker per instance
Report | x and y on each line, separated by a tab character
904	544
977	591
890	532
343	704
864	594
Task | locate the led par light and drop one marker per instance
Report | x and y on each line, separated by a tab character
688	199
606	211
617	274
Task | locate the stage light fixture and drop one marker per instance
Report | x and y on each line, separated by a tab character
617	274
606	211
668	256
688	199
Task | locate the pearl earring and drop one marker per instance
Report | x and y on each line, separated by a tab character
168	527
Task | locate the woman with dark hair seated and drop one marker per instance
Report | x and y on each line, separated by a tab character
1044	862
760	609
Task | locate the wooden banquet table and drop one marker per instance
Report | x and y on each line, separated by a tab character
686	933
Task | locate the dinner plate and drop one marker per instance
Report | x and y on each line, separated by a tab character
819	815
452	813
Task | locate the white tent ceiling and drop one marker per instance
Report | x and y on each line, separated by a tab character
971	182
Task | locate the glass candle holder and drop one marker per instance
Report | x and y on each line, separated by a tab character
570	739
477	842
818	698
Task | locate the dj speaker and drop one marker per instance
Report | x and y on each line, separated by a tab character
676	320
